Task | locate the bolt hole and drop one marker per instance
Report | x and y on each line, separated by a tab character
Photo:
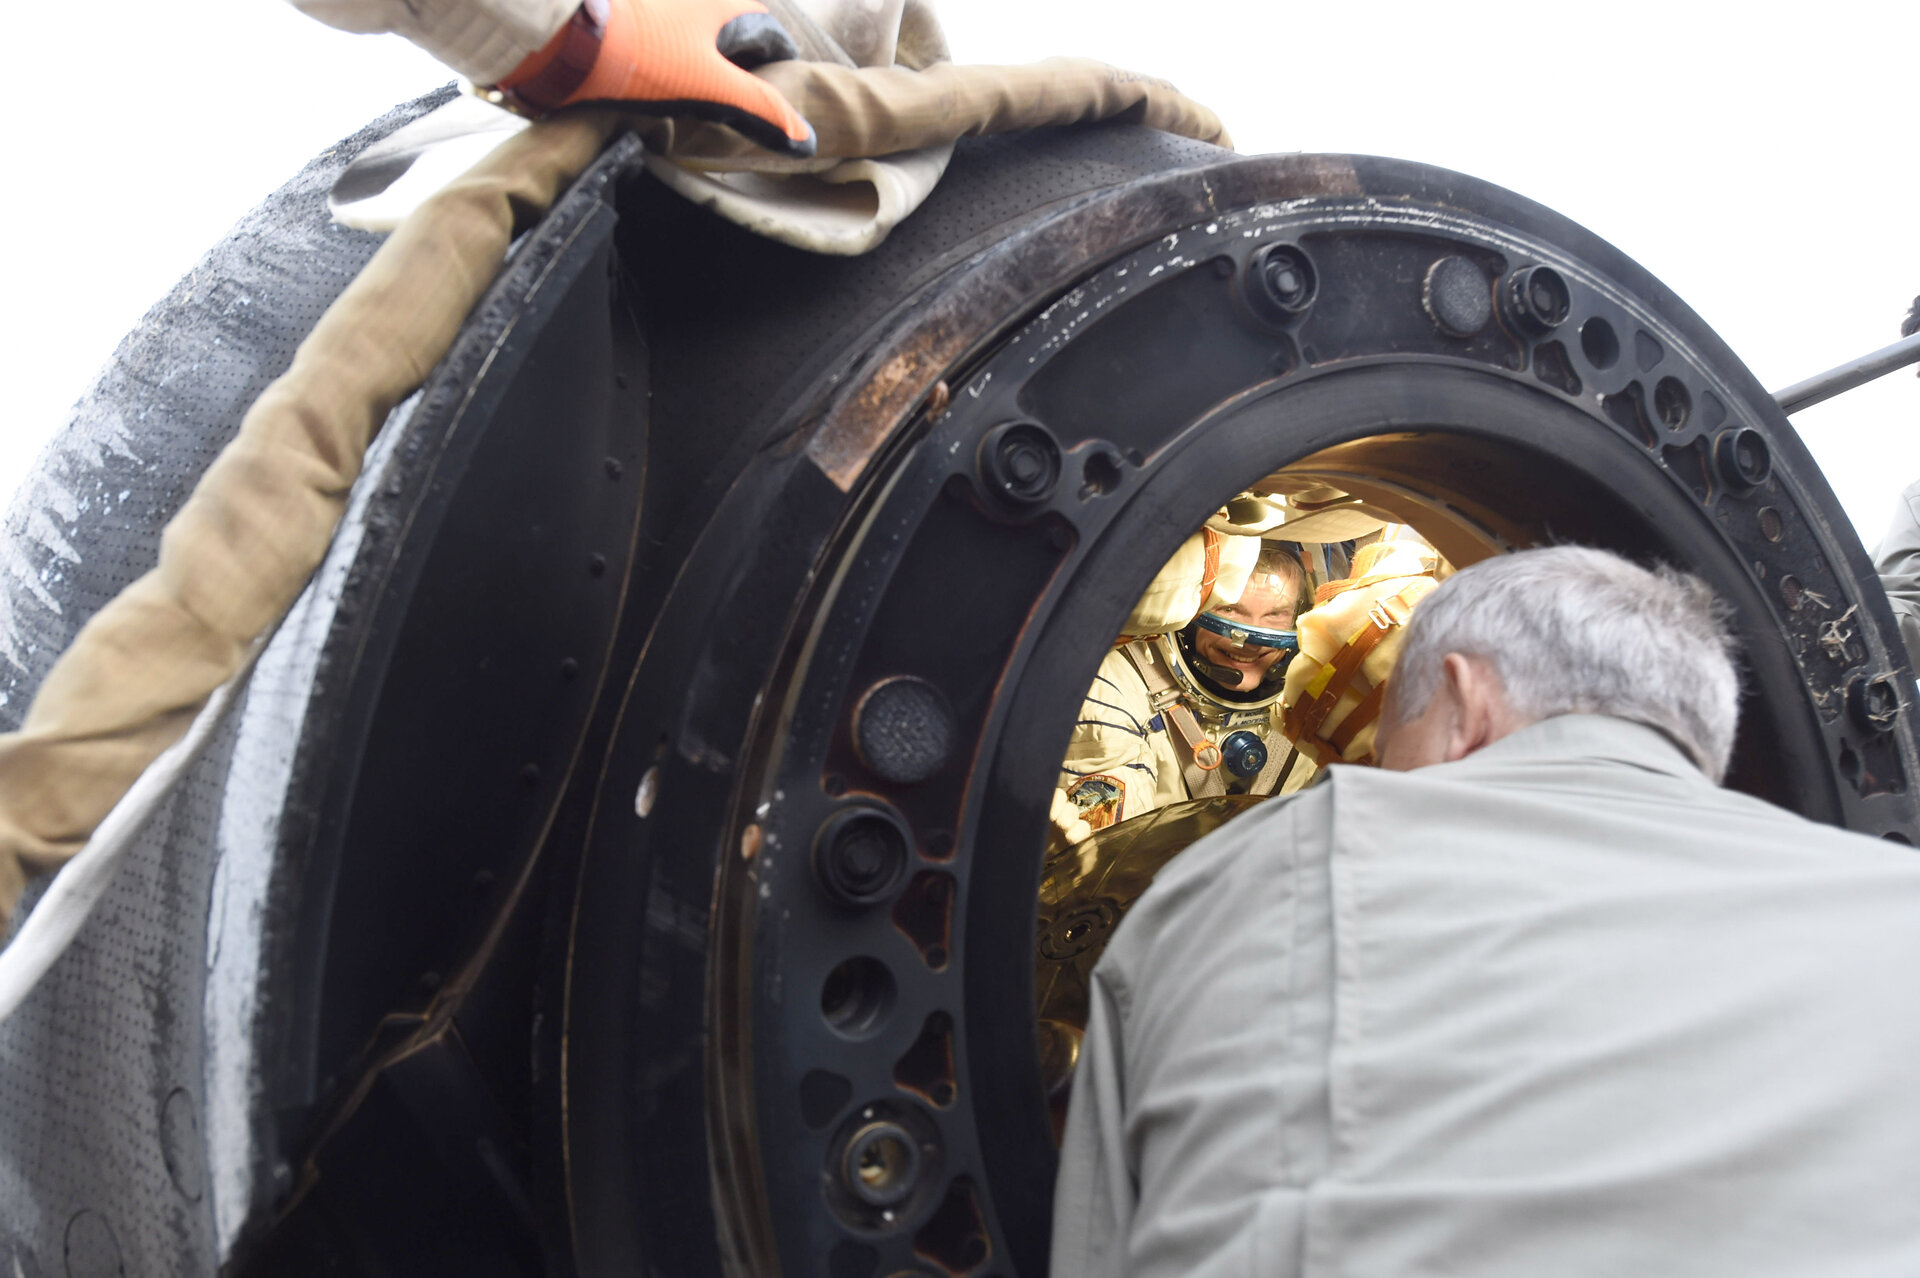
1671	403
857	996
1771	525
1790	592
882	1164
1874	703
1101	473
1599	343
1850	766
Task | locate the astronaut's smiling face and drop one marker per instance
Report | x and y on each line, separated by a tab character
1265	603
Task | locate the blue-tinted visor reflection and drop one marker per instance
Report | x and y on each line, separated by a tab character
1242	635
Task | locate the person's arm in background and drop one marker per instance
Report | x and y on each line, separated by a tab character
1110	771
546	54
1897	559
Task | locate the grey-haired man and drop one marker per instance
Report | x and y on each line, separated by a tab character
1536	997
1897	558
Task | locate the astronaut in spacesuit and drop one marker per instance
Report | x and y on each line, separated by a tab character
1194	709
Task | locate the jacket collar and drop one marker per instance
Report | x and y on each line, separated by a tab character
1593	736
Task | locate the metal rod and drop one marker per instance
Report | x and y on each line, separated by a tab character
1853	373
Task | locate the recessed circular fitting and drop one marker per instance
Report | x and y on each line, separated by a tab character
885	1164
880	1164
857	996
1457	296
1873	703
1672	403
1743	457
860	854
1599	343
1020	463
1535	299
1281	282
903	729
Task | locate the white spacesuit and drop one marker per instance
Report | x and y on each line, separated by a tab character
1154	729
1188	702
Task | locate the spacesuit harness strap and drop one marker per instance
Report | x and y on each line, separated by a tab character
1304	717
1164	696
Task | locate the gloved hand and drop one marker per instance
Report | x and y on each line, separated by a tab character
683	57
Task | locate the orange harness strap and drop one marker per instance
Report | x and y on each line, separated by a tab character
1303	718
1363	714
1212	542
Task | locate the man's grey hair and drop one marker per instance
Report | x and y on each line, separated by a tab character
1571	630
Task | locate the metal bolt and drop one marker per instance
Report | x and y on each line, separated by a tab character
649	790
1536	300
881	1165
937	400
860	854
1281	282
1743	457
1020	463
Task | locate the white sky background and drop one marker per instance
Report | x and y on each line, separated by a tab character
1763	166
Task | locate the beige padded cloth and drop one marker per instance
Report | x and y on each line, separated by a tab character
242	547
868	111
885	136
874	80
1342	610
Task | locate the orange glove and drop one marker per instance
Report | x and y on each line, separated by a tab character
676	56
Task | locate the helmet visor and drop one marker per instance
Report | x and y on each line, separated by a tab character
1242	635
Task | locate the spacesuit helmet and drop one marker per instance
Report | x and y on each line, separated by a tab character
1236	653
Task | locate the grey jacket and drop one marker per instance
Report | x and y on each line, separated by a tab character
1563	1007
1897	560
